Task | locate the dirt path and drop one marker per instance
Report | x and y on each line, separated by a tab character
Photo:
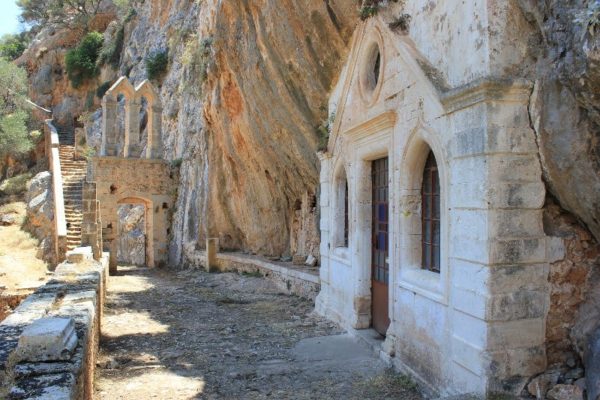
190	334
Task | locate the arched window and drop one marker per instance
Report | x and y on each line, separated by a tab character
341	230
430	216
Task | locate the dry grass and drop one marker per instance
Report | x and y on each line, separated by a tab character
15	185
389	385
19	267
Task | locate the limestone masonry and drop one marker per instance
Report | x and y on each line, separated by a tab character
425	171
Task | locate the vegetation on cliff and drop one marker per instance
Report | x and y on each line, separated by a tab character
81	62
70	13
13	45
14	136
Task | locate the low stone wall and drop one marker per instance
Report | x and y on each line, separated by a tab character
74	296
60	220
289	278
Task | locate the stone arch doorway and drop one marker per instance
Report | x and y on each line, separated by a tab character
131	234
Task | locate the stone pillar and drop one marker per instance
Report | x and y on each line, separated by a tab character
109	126
91	234
516	312
322	300
154	147
132	128
212	248
499	275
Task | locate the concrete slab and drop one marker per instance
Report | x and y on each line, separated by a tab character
338	348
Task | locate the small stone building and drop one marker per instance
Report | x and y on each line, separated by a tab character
432	195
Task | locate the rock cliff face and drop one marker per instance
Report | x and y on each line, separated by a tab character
40	213
274	65
565	111
246	87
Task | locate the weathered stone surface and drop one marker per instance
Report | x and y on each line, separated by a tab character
542	383
47	339
40	212
574	302
564	110
59	321
565	392
7	220
132	239
46	387
592	366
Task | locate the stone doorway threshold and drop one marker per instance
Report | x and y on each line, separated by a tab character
373	341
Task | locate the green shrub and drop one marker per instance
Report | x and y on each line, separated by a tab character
196	59
111	51
13	45
323	132
368	11
131	15
81	61
102	89
401	23
88	152
15	185
370	8
14	136
156	64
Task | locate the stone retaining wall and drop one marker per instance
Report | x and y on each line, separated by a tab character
75	292
290	279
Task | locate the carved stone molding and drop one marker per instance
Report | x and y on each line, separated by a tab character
485	90
381	122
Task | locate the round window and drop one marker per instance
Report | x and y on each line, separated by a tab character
372	72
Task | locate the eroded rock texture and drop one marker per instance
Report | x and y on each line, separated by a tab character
132	237
565	111
40	213
275	63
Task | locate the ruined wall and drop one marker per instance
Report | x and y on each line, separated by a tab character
75	292
571	280
147	182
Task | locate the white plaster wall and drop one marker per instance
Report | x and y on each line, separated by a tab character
446	329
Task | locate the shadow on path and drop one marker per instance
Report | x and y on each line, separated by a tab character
189	334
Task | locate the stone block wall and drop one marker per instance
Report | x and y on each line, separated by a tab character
117	181
75	292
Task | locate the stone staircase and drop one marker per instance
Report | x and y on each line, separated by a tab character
73	175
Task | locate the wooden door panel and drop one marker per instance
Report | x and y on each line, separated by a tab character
379	247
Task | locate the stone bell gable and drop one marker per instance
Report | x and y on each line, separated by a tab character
133	101
136	178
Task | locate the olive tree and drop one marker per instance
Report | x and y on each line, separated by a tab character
71	13
14	136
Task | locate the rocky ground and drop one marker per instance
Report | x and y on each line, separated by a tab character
190	334
21	272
